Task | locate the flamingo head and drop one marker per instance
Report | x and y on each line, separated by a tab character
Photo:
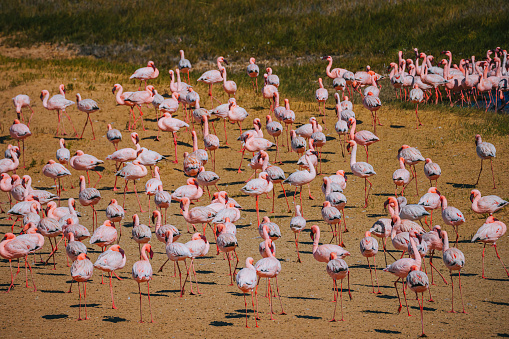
148	248
151	64
108	223
252	61
327	57
155	214
115	87
477	139
314	229
351	143
8	236
117	248
221	59
434	190
422	55
82	256
473	194
491	219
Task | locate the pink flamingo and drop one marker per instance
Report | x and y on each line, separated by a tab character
52	211
161	230
59	103
55	171
121	97
332	216
288	118
363	138
401	268
109	261
276	176
297	224
253	70
21	101
222	111
191	190
412	156
269	92
207	178
382	228
257	187
104	235
213	76
369	248
274	129
253	144
434	243
89	197
115	213
197	215
80	232
361	169
321	96
192	164
168	124
454	260
145	73
306	130
63	156
141	233
297	142
236	114
372	103
416	96
199	247
336	72
487	204
434	80
229	86
489	233
43	197
124	155
432	171
151	186
226	243
336	198
247	281
142	272
338	269
162	199
430	201
301	178
322	253
401	177
6	184
269	267
210	141
272	79
81	271
184	65
319	140
485	150
114	136
451	216
14	248
418	282
86	162
139	98
132	171
87	106
19	132
74	248
177	252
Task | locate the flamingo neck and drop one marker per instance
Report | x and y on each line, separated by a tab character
118	96
417	256
316	240
445	241
328	68
352	130
206	128
353	157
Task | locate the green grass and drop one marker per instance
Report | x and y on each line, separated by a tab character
363	31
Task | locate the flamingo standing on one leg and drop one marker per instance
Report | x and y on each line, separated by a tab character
88	106
81	271
109	261
142	272
361	169
21	101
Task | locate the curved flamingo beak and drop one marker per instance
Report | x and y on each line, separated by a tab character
112	91
151	253
226	62
121	252
471	197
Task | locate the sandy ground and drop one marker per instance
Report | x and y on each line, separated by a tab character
305	287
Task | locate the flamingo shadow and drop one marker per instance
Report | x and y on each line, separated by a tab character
375	312
220	323
113	319
54	316
460	185
386	331
307	317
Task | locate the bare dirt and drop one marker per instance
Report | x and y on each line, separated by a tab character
305	287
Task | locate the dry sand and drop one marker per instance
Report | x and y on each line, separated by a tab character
305	287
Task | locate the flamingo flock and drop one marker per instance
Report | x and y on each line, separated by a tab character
404	226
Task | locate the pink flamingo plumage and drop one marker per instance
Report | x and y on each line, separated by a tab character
247	281
19	132
139	98
85	162
253	71
81	271
114	136
168	124
124	155
489	233
132	171
401	177
89	197
21	101
321	96
199	247
369	248
454	260
226	243
485	150
115	213
121	97
338	269
145	73
142	272
486	204
301	178
361	169
184	65
213	76
418	282
55	171
14	248
257	187
363	138
432	171
87	106
59	103
109	261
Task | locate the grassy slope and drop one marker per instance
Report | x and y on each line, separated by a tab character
364	31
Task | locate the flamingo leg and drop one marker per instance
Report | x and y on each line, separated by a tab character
461	293
297	246
141	316
175	143
335	292
376	276
452	295
111	291
86	122
479	176
397	293
498	256
491	162
137	197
